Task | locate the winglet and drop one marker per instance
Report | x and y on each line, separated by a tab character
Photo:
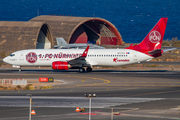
85	52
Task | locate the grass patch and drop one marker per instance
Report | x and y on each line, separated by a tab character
27	87
18	87
124	66
153	65
176	44
166	43
2	54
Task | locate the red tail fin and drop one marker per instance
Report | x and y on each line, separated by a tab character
153	40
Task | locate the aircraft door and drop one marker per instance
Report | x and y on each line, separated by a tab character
135	56
21	57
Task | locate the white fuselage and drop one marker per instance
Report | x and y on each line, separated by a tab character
95	57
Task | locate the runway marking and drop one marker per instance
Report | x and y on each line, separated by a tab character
130	110
152	93
13	110
105	80
127	85
148	82
92	84
152	116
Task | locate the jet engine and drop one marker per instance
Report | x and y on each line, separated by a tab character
60	65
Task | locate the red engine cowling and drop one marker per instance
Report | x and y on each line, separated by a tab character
60	65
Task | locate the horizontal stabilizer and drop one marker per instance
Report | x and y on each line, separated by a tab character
169	49
155	53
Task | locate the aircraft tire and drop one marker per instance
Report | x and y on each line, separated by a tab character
81	70
89	69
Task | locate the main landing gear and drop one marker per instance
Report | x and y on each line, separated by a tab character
81	70
20	69
88	69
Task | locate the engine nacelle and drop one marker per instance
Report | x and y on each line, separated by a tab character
60	65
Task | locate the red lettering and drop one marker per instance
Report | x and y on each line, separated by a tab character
56	55
64	56
77	55
60	55
40	55
70	55
50	55
73	55
46	55
67	56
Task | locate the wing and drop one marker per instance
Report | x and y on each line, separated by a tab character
80	61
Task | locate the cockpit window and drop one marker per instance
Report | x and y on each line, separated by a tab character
12	55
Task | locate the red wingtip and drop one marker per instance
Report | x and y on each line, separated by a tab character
85	52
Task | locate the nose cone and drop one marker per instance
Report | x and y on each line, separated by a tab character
6	59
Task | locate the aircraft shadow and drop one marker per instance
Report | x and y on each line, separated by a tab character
68	71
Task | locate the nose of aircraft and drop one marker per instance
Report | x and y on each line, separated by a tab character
6	59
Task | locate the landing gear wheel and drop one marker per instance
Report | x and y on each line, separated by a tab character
81	70
89	69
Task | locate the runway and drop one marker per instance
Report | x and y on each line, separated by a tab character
135	94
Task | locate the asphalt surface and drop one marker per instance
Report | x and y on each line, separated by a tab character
136	95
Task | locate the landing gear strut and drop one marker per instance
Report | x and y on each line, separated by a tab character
89	69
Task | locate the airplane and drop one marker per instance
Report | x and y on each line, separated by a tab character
62	44
64	59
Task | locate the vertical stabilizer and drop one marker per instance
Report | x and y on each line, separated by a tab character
153	40
61	41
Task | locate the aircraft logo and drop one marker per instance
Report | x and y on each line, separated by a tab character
117	60
31	57
154	36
